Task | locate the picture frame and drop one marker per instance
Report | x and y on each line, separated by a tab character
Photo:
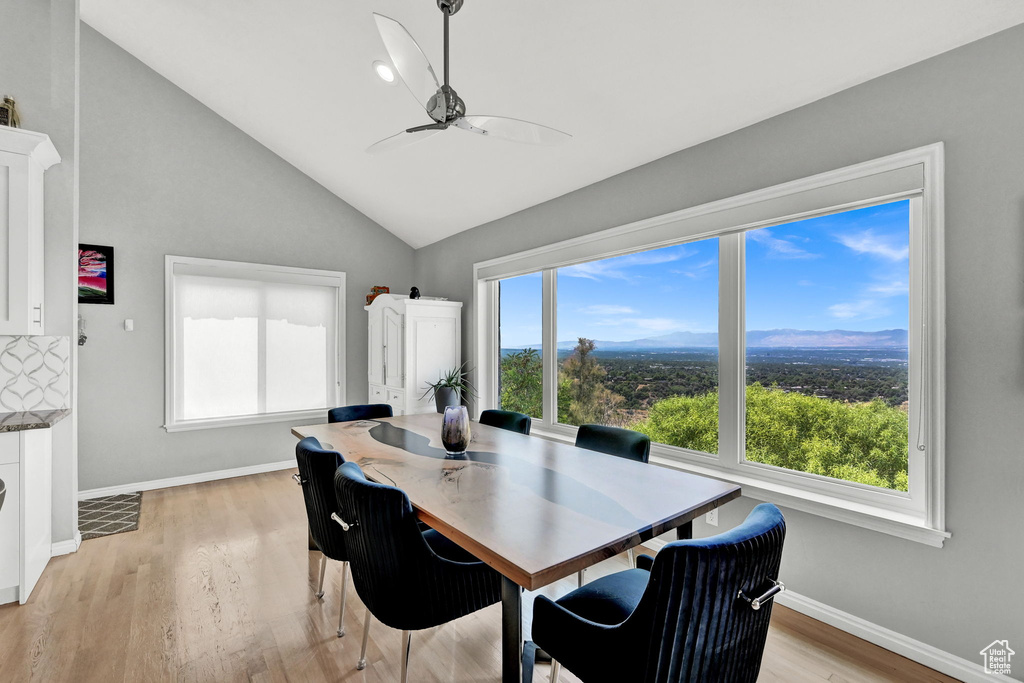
95	274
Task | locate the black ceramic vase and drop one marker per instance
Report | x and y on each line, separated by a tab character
444	397
455	430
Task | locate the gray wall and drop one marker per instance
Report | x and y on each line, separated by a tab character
162	174
961	597
39	67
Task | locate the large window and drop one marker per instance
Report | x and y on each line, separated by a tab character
520	330
638	343
250	343
827	315
790	340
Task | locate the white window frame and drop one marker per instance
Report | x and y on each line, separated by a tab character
245	271
916	175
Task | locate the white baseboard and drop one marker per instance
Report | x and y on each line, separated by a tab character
8	595
67	547
187	479
915	650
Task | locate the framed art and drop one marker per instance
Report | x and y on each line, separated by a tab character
95	274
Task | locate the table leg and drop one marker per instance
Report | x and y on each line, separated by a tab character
511	631
684	532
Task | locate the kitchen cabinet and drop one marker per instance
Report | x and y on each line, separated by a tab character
25	533
24	157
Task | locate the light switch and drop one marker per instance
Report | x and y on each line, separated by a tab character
129	325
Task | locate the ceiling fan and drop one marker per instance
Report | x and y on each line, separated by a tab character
441	102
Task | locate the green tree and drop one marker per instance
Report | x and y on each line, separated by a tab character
684	421
582	395
522	389
859	442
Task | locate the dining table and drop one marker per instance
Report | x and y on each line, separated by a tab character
535	509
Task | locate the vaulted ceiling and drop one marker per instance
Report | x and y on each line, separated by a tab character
631	81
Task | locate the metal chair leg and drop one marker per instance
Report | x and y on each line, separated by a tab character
579	578
406	643
361	664
344	597
323	568
632	558
556	669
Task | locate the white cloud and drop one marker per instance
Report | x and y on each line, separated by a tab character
805	283
894	288
865	309
607	309
867	242
616	267
699	271
779	248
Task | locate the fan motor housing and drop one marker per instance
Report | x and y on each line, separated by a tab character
449	6
446	105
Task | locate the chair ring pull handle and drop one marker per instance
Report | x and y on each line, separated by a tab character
345	526
758	602
298	479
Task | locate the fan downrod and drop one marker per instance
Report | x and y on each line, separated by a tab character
449	7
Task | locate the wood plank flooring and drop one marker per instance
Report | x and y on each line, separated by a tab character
217	585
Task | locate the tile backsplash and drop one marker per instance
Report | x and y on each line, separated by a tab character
34	373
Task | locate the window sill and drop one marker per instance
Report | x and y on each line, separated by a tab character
192	425
897	524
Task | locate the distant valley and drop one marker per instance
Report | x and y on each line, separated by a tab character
784	338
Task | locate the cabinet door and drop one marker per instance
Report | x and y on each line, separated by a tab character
394	355
396	399
435	351
16	210
36	476
375	353
10	533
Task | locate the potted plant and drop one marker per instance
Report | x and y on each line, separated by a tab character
450	388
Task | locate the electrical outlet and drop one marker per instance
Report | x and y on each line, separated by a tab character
712	517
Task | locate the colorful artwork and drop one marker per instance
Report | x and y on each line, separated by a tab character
95	274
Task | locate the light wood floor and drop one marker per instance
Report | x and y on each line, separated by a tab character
216	585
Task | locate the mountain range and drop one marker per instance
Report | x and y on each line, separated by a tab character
836	339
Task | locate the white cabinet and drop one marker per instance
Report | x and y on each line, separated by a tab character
24	156
412	342
25	534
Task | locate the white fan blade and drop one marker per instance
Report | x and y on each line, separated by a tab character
399	140
412	65
511	129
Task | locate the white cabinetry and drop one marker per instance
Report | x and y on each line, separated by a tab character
24	156
412	342
25	537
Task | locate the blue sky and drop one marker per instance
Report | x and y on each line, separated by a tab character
845	271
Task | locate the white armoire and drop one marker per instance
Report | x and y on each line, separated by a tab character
411	342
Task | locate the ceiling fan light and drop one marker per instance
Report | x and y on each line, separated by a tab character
384	71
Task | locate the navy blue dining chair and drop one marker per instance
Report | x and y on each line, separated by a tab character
507	419
623	443
370	411
316	477
699	612
408	579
